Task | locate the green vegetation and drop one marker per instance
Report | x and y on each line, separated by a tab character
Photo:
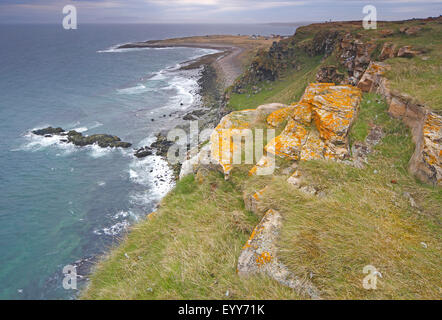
378	215
189	250
421	76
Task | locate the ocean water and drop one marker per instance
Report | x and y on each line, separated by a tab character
60	203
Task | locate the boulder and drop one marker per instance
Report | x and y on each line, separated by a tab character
372	75
386	32
259	255
233	126
77	138
102	140
279	116
426	126
388	51
333	109
143	152
407	52
412	31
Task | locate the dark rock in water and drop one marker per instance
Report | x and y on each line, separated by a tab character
48	135
103	140
162	145
48	130
143	152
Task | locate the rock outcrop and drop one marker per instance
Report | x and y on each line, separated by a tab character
355	56
388	51
77	138
426	126
332	109
224	141
329	74
260	255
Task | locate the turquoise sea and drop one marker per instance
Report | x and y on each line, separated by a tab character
59	203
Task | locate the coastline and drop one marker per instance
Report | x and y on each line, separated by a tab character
217	71
229	63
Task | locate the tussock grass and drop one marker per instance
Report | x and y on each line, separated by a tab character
364	219
188	251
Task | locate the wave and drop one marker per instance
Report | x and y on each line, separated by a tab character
115	49
38	143
139	88
154	173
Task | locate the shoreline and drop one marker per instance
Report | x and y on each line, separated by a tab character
229	63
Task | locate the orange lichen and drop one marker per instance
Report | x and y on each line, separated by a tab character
222	146
279	116
333	109
263	258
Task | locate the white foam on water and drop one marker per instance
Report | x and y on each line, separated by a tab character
96	125
115	49
95	151
81	129
139	88
113	230
154	173
121	214
37	143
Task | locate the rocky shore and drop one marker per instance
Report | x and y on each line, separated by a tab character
77	138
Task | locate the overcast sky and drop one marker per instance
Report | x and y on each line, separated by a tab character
212	11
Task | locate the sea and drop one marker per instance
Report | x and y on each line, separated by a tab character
63	205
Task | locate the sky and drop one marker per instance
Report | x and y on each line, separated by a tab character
212	11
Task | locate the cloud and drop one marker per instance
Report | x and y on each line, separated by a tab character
215	11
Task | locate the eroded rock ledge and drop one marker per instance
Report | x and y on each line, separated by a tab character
426	125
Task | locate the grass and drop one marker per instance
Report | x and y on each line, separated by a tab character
188	251
417	77
288	89
364	219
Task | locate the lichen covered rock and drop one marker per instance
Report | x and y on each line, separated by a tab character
426	162
253	201
259	255
332	109
279	116
234	126
222	147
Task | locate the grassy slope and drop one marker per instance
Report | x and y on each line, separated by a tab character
190	249
417	77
